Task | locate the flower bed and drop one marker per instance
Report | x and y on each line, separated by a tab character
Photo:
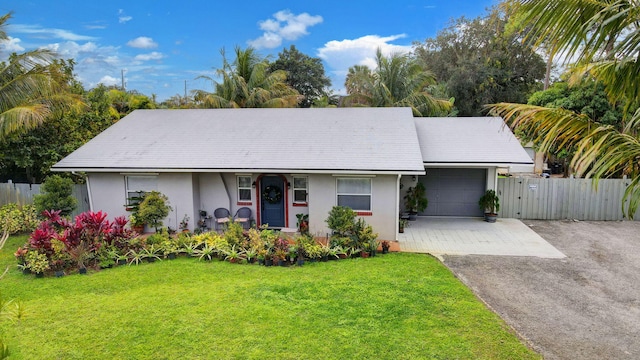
59	246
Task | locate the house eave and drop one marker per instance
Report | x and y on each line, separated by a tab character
455	164
228	170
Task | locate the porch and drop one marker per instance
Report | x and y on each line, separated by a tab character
473	236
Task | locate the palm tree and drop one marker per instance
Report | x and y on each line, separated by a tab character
247	83
604	38
398	80
31	90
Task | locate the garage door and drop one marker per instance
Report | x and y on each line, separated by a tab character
454	192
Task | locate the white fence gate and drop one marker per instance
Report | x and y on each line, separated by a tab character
561	198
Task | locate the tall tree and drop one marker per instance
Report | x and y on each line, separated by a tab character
27	156
480	63
247	83
304	73
31	91
604	38
398	80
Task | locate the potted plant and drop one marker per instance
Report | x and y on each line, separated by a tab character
416	200
137	224
37	262
303	223
153	209
81	253
133	206
385	246
402	223
184	224
490	204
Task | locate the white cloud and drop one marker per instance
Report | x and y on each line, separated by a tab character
11	45
47	33
123	18
284	26
109	80
142	42
340	55
150	56
95	27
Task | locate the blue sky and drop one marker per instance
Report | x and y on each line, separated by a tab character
162	44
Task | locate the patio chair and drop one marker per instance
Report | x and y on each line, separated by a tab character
221	216
244	216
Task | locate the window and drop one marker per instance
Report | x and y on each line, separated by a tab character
244	188
138	185
300	189
354	193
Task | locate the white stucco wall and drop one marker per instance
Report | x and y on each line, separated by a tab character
188	193
322	197
108	194
213	194
178	187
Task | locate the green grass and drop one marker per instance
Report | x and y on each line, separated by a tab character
396	306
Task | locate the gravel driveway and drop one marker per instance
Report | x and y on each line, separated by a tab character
586	306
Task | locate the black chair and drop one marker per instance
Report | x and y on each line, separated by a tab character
221	217
244	216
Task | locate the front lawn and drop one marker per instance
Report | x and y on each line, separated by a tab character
394	306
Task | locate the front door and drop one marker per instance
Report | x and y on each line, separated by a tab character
272	193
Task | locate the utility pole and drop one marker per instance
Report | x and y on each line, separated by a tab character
122	75
186	101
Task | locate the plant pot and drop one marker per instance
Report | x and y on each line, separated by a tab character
364	254
39	275
233	261
138	228
151	259
325	258
82	271
401	230
59	273
26	271
281	263
413	216
260	261
385	250
372	253
342	256
490	218
122	262
268	262
171	256
300	262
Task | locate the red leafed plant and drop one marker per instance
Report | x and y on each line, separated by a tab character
89	231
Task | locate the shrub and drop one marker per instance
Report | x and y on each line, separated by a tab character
59	241
153	209
234	234
56	194
341	220
15	219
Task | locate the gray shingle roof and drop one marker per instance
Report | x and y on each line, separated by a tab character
354	139
477	140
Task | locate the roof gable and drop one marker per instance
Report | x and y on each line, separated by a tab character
326	139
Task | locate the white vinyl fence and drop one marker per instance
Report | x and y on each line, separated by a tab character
22	194
561	198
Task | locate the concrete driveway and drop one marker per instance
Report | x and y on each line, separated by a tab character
585	306
464	236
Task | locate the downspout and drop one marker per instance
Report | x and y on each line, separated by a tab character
397	206
226	189
89	194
